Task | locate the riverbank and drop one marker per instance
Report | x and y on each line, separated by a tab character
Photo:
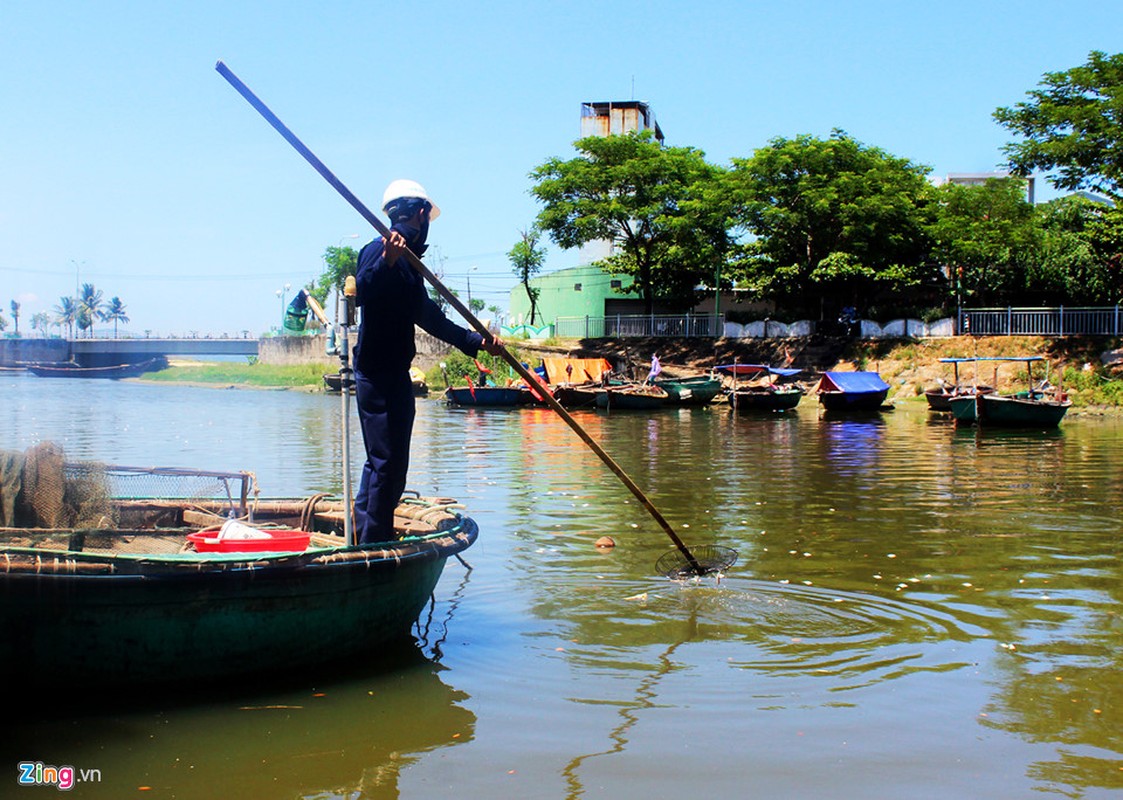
1086	368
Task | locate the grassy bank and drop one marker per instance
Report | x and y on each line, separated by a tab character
232	373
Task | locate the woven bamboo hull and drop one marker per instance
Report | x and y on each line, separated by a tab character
112	619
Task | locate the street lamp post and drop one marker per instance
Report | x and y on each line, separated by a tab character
281	294
471	269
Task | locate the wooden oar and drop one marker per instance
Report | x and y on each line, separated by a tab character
695	566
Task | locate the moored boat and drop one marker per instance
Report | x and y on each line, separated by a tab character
492	396
698	390
765	398
1034	408
126	600
632	396
766	388
852	391
70	369
1009	411
333	382
939	398
576	395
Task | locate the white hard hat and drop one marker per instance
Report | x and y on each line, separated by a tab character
407	188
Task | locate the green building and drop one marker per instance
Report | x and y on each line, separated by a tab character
581	291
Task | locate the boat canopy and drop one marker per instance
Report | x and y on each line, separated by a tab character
1022	359
756	369
583	369
853	382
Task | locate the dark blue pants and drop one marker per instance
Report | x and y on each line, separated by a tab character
386	411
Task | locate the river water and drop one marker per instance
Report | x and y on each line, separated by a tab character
917	611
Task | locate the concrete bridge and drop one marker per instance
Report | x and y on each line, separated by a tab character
108	352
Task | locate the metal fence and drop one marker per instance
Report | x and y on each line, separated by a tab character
1059	321
621	326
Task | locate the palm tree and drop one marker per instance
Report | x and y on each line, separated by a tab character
89	307
15	315
115	312
66	313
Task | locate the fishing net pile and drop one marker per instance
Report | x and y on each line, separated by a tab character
39	489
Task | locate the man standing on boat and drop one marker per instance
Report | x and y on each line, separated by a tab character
393	299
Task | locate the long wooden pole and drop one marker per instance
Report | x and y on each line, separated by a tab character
463	310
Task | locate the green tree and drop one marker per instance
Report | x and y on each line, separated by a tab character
89	307
40	321
1078	258
15	315
115	312
66	313
829	222
987	236
527	259
476	305
339	262
1072	124
644	198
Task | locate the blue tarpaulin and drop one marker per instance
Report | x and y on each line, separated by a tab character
852	382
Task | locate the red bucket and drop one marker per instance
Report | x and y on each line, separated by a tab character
207	541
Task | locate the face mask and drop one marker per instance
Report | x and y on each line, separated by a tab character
415	235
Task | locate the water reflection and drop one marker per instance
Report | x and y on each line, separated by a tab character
903	587
333	737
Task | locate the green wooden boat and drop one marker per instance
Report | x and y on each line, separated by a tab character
1033	408
692	391
1009	411
132	603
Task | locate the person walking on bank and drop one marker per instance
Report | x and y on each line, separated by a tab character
393	299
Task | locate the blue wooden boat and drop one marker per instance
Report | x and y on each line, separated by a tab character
852	391
129	604
490	396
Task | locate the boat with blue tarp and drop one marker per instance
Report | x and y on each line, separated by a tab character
852	391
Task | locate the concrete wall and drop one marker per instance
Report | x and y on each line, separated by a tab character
895	329
311	349
14	352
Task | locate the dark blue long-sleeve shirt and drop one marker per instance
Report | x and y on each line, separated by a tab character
393	300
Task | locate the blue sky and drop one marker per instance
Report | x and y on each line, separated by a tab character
128	162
